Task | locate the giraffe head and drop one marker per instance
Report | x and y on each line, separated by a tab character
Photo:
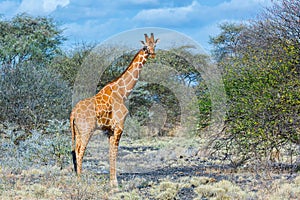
149	45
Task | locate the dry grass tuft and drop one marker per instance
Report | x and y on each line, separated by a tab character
281	190
221	190
166	190
132	195
202	180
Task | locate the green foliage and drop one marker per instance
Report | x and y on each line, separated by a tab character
31	95
262	81
181	60
132	128
184	73
226	42
67	64
25	38
265	105
204	103
164	96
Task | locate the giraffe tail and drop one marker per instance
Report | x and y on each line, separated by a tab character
73	142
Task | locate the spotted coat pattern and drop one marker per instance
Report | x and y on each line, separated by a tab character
107	111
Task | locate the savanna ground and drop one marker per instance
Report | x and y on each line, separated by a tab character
148	168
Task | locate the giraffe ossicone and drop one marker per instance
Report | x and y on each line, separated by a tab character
107	111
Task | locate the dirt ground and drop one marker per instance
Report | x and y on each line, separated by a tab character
150	168
150	162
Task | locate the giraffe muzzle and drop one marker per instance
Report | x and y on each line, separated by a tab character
152	55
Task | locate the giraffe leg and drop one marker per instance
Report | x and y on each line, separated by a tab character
79	156
81	145
113	152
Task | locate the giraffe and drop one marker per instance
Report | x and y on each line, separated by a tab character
107	111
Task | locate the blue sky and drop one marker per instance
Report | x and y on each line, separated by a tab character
96	20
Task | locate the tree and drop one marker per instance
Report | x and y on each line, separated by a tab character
28	39
67	64
31	94
226	43
262	82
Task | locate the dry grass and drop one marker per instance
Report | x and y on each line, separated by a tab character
52	183
150	168
165	190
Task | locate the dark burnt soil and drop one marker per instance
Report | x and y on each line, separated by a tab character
143	166
173	174
248	180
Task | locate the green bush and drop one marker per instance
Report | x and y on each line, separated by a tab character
31	95
261	78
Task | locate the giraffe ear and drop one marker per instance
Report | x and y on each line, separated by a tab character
157	41
143	43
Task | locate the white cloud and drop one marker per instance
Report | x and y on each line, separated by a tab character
194	19
170	16
89	30
41	7
88	20
143	1
242	4
200	21
196	14
51	5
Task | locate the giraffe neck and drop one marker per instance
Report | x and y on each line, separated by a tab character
130	76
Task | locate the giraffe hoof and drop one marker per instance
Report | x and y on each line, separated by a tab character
113	187
113	183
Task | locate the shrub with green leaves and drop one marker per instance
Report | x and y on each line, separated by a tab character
30	95
262	80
